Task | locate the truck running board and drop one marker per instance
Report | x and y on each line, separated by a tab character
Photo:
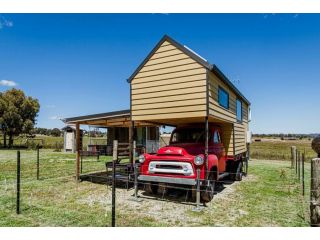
223	175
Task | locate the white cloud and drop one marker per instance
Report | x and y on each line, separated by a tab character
7	83
5	23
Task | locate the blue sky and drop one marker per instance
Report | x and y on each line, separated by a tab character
77	64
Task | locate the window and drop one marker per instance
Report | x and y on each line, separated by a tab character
216	137
239	110
191	135
223	98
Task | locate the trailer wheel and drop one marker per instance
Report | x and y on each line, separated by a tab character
238	175
152	188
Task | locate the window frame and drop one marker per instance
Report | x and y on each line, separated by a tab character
223	90
239	120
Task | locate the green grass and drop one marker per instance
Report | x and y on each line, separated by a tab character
279	150
50	142
269	196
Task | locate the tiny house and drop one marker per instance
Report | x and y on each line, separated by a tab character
176	86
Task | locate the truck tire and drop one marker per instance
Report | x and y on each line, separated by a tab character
207	192
238	174
151	188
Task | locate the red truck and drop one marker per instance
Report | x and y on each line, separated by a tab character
178	163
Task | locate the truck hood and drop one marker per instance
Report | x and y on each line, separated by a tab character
181	149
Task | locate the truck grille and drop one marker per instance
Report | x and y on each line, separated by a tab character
166	167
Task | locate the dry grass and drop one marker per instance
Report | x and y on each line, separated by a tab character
269	196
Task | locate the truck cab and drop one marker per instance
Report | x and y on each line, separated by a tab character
184	158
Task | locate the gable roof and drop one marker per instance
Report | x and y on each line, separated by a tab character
211	67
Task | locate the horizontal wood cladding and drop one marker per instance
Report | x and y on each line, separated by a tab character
164	110
168	99
169	85
179	103
178	80
182	92
165	116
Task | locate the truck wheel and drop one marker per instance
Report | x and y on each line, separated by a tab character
208	192
238	175
152	188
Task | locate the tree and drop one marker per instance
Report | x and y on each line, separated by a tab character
18	114
56	132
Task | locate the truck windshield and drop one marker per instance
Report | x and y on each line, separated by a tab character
188	135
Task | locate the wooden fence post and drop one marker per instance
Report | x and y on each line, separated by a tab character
38	163
303	158
293	155
315	193
18	183
296	162
114	160
299	165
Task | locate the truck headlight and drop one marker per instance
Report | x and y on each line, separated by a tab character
142	158
198	160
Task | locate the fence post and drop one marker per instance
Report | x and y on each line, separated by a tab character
303	158
114	159
81	155
18	183
38	163
293	155
315	193
299	166
198	208
296	162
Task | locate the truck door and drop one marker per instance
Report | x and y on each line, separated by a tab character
219	150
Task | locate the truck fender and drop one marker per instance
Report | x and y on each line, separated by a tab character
212	161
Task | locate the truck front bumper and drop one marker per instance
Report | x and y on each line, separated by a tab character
182	181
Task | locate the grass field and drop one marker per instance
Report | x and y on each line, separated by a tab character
50	142
279	149
269	196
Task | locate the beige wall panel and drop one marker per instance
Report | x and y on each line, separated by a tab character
170	110
172	58
180	103
173	69
165	48
194	78
182	92
180	97
170	87
168	116
165	65
166	54
190	72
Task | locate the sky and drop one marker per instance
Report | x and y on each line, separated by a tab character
77	64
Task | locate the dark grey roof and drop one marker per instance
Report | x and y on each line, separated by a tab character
213	68
122	113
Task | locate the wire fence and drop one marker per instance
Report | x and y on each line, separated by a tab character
274	195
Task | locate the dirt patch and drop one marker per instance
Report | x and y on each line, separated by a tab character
167	211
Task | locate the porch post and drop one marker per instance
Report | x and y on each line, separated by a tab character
206	146
131	139
78	151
